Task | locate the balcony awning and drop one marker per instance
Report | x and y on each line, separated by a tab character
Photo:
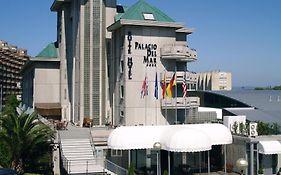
175	138
269	147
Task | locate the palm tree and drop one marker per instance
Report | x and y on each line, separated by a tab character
24	138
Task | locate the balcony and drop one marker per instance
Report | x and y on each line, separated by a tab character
191	77
179	52
180	103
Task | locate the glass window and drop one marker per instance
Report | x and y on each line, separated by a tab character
148	16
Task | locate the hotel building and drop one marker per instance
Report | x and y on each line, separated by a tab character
12	60
127	67
148	47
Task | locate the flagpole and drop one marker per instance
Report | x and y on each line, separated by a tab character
156	96
185	94
166	112
176	94
145	120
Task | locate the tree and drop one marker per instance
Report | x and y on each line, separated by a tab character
25	139
11	105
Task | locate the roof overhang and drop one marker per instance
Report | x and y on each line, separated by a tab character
185	30
57	3
175	138
151	23
48	109
269	147
31	61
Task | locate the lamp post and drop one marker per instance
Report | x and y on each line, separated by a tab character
157	147
242	164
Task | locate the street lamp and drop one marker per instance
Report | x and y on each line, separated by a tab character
157	147
242	164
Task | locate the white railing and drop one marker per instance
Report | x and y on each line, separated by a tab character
115	168
180	102
191	77
95	165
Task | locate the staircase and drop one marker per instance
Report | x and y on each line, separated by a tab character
78	153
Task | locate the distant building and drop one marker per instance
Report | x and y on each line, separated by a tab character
41	83
11	62
214	81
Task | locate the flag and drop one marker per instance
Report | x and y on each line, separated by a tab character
156	87
171	84
144	88
164	86
184	87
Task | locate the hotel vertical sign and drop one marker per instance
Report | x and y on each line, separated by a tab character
129	59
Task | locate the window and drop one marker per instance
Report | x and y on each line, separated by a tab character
148	16
116	153
121	113
121	66
121	91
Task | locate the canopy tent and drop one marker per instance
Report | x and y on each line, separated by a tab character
269	147
175	138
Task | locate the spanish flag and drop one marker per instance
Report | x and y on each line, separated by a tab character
172	83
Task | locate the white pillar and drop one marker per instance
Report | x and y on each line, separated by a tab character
169	163
209	163
224	146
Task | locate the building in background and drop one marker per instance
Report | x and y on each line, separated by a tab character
41	83
84	48
12	60
214	81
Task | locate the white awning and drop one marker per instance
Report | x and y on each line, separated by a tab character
185	139
134	137
176	138
218	133
269	147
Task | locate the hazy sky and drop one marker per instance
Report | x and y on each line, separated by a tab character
240	36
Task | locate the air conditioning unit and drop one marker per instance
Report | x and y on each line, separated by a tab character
253	132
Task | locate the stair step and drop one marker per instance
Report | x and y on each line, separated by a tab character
82	151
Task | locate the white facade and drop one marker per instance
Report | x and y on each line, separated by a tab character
83	41
139	53
41	83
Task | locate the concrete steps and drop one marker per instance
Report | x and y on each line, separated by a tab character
78	154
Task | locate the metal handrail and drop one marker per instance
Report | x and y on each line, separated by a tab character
87	163
115	168
92	142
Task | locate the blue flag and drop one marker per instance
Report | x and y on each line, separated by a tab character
156	87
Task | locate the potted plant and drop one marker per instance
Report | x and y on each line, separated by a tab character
229	167
260	172
131	170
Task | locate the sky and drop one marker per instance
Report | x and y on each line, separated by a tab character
237	36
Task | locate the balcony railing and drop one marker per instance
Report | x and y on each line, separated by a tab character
190	77
178	52
180	103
